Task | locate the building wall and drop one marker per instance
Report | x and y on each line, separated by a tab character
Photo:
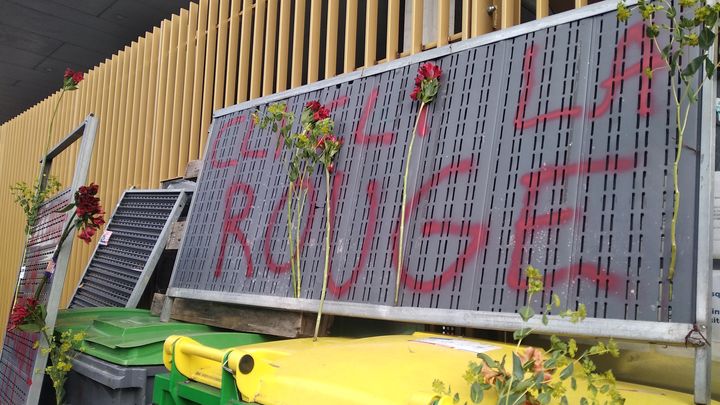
154	99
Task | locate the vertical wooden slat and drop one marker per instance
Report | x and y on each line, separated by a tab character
177	99
200	73
314	41
417	26
208	81
581	3
119	183
221	59
169	101
393	29
232	53
443	22
132	157
151	106
244	70
542	9
509	13
159	123
257	52
298	44
350	34
187	94
371	12
269	57
283	46
118	112
482	21
144	133
333	14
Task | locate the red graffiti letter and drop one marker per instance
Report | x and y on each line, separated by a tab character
650	58
373	195
529	78
231	225
214	163
244	149
475	232
310	204
530	221
361	137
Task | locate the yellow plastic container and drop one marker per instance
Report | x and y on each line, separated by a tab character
380	370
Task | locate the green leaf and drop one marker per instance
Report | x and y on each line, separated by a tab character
567	372
544	397
521	333
545	318
709	68
583	401
526	313
693	66
30	327
476	392
518	371
488	360
706	38
573	383
563	400
456	398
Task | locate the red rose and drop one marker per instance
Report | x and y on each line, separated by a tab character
313	105
321	114
68	73
331	168
415	93
77	77
429	71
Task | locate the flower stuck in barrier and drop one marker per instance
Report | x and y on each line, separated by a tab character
71	79
427	84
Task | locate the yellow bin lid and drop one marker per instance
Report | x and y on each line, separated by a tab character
381	370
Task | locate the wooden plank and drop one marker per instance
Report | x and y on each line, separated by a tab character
417	27
313	69
393	29
256	71
271	30
151	107
209	72
173	152
192	170
350	34
248	319
244	68
331	38
176	235
283	46
232	54
200	74
186	96
371	13
542	9
157	304
298	44
443	22
221	55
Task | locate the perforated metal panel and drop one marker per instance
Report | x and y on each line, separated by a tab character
548	149
17	363
119	271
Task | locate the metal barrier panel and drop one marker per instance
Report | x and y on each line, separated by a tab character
546	146
17	363
119	270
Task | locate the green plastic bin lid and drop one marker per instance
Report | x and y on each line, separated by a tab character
133	337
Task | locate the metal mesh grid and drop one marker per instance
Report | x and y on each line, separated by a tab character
17	363
114	270
549	149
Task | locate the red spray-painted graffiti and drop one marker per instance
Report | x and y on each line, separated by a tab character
473	235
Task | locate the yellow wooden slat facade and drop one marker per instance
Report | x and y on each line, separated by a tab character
154	99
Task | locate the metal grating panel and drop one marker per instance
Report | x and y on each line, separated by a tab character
549	148
118	272
17	363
